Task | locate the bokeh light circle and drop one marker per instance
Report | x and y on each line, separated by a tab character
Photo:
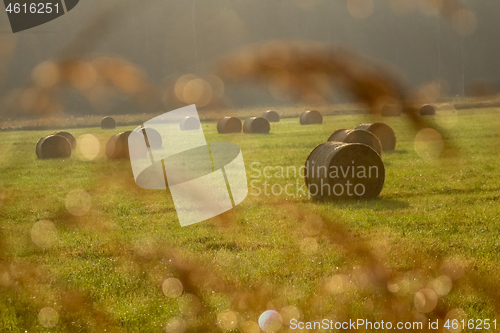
393	287
425	300
176	325
217	86
227	320
288	313
429	144
189	305
44	234
270	321
441	285
78	202
249	326
89	146
191	89
337	283
46	75
181	83
172	287
455	315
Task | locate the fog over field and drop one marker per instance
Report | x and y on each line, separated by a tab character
167	38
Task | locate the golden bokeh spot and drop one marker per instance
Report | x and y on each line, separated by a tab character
89	146
454	268
46	75
172	287
176	325
441	285
249	326
81	75
288	313
191	89
429	144
393	287
409	284
44	234
122	75
199	88
197	91
455	315
78	202
227	320
240	65
48	317
425	300
337	284
180	84
270	321
218	87
189	305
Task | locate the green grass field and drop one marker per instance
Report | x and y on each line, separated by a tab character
105	268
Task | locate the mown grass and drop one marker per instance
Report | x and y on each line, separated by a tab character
430	213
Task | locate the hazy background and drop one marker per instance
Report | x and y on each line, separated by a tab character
169	38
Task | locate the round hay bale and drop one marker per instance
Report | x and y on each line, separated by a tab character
189	124
357	136
339	135
117	146
272	116
53	146
383	132
68	136
108	123
390	110
311	117
256	125
152	137
336	170
427	110
229	125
